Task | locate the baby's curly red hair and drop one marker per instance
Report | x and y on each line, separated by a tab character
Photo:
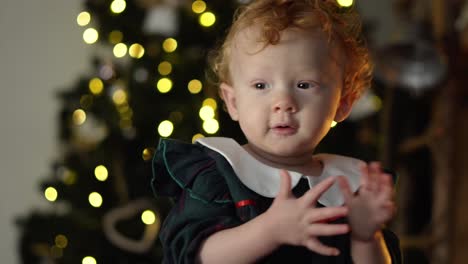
274	16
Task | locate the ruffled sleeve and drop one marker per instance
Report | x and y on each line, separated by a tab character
204	206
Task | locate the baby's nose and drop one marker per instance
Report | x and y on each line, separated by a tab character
285	103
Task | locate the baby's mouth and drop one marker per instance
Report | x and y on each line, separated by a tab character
284	129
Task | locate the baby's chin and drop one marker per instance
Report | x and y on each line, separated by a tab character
288	154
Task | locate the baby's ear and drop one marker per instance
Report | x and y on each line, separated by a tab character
344	108
229	98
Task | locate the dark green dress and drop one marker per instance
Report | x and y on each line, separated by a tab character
210	197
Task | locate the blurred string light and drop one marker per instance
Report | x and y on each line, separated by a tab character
120	50
101	173
119	96
136	51
51	194
345	3
194	86
206	112
165	68
198	6
165	128
148	217
207	19
197	136
96	86
61	241
90	36
211	102
164	85
118	6
169	45
115	36
83	18
79	117
88	260
147	154
67	176
95	199
106	71
210	126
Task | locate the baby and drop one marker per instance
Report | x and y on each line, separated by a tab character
287	69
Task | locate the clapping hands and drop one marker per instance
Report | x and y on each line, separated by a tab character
373	205
297	221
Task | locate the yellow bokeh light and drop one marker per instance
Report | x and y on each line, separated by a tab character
120	49
88	260
211	126
164	85
61	241
83	18
95	199
211	102
79	117
345	3
376	102
197	136
194	86
333	124
147	154
169	45
118	6
165	68
51	194
198	6
96	86
101	173
115	37
90	35
165	128
119	97
69	177
206	112
148	217
136	51
207	19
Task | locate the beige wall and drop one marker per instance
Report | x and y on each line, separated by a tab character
41	51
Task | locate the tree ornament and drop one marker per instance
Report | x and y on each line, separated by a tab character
416	66
128	211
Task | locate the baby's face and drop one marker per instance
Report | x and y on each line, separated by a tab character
284	96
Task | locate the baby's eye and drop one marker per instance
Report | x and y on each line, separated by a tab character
304	85
260	85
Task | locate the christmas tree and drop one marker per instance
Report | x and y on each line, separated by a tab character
149	81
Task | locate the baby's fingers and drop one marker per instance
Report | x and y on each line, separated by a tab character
327	229
285	184
326	214
315	245
311	196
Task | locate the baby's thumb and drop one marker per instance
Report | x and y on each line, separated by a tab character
285	186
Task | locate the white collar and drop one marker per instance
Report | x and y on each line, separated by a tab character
265	180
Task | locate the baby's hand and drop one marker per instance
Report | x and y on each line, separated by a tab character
297	221
373	206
